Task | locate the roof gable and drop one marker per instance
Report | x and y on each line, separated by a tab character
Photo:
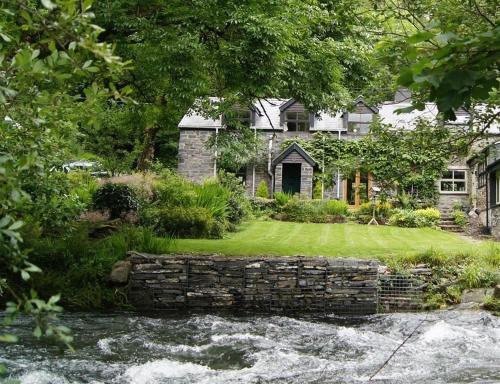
287	104
361	101
294	148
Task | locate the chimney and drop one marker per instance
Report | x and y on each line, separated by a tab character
402	95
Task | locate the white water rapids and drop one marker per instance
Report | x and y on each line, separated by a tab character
449	347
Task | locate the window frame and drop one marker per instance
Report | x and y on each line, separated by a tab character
306	120
237	116
453	182
497	187
481	174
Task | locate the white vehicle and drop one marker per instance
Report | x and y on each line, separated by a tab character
94	167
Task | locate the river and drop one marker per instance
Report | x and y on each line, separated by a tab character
448	347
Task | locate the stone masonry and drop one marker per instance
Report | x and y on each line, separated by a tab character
196	161
279	284
306	174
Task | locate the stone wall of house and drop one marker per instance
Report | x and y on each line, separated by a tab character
196	161
306	180
495	222
306	174
261	174
447	200
477	224
279	284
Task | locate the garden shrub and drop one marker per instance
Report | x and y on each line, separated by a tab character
188	222
261	206
296	210
281	198
383	211
460	218
336	207
403	218
118	199
210	208
314	211
238	204
405	200
427	217
317	192
262	190
173	190
214	197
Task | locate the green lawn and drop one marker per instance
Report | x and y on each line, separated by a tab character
349	240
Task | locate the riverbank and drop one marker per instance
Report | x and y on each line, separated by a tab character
78	264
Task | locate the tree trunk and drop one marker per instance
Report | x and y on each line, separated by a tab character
148	151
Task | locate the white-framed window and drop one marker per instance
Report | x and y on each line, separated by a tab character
453	181
497	187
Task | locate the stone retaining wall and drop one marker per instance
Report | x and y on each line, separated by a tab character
281	284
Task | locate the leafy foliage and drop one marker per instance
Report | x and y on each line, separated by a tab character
186	209
241	52
460	218
447	51
282	198
78	265
185	222
383	211
409	161
118	199
314	211
428	217
262	190
53	69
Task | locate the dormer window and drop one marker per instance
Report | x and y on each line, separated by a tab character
241	117
295	118
297	121
244	117
359	119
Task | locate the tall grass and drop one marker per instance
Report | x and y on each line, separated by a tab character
214	197
78	266
335	207
281	198
316	211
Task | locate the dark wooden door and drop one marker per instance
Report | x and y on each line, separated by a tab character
291	178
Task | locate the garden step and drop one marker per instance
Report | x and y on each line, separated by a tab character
451	228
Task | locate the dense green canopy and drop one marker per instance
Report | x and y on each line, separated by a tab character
111	81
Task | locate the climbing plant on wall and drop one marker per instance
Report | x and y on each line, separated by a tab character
401	160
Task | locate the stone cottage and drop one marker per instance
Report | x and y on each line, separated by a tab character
291	169
485	196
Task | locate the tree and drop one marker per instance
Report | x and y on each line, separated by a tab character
239	51
52	71
448	52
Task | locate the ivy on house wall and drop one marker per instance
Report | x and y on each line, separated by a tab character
402	160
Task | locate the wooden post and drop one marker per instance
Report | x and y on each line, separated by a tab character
344	185
370	183
356	192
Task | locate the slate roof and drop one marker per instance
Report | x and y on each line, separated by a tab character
297	148
327	121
